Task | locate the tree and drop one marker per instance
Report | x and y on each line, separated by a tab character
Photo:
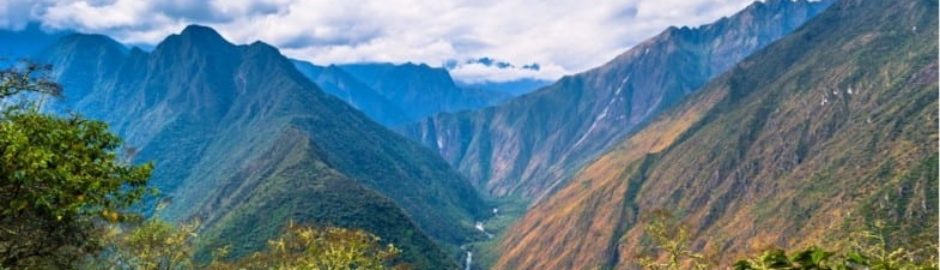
151	245
60	178
27	78
868	250
671	242
158	245
302	247
813	258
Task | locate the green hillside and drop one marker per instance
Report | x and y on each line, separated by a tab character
244	143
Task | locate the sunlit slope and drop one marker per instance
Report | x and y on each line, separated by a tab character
826	130
529	146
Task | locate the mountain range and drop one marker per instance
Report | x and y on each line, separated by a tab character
528	146
513	88
788	124
398	94
823	133
244	143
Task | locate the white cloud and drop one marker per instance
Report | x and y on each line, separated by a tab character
476	73
562	36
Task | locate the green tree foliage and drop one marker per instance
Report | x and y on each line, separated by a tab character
303	247
868	249
671	245
59	179
153	244
812	258
158	245
865	258
27	78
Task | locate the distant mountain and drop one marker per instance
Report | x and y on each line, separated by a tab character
513	88
397	94
815	137
531	144
26	42
244	142
82	62
336	81
419	90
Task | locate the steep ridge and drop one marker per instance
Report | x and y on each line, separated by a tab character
814	137
394	95
243	142
336	81
82	61
419	90
531	144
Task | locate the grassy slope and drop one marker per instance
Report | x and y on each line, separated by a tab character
774	152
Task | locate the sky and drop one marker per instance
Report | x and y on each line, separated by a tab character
542	39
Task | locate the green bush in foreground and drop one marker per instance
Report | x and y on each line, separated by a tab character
302	247
60	178
64	191
868	251
158	245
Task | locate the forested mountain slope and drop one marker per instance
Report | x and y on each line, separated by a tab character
244	143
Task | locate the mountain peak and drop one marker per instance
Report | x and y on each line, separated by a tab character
261	46
195	38
199	35
781	4
90	40
195	30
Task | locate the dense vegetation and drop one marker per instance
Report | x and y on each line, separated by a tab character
156	244
59	178
65	191
243	142
867	249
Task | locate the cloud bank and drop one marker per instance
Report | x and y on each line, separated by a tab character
562	37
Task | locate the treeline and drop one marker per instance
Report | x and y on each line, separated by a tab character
67	184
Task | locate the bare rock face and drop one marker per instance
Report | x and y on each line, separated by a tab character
531	144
